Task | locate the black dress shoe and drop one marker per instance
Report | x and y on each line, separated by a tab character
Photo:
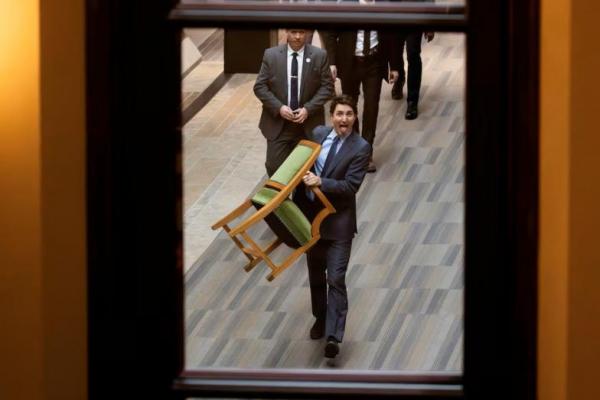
397	90
318	329
412	110
332	348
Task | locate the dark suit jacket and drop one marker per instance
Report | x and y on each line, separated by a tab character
339	183
341	47
271	88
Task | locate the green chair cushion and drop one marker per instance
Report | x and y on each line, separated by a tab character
288	213
292	164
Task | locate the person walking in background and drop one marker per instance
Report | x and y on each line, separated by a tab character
364	58
415	68
293	84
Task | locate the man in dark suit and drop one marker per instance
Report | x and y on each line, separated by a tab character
415	68
339	172
293	84
364	57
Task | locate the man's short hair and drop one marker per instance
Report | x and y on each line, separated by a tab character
345	100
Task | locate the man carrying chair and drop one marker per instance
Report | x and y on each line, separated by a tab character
339	172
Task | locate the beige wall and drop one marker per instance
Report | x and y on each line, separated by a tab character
569	292
20	213
42	233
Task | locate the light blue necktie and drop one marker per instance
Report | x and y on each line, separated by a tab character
318	170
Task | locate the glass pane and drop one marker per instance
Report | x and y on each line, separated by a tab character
404	278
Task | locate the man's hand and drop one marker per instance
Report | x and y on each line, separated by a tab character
311	179
333	69
300	115
429	36
286	113
393	76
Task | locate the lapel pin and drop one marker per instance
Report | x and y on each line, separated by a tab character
307	59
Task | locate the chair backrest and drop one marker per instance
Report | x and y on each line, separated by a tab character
287	220
284	180
295	162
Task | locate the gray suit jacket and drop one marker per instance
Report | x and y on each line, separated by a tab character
339	183
271	88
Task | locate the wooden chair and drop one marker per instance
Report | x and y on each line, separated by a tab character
283	216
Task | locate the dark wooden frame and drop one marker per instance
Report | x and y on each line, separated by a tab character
134	209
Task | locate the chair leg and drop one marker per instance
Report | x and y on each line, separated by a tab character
238	243
251	264
267	251
257	248
283	266
264	254
290	260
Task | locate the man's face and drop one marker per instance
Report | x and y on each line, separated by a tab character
343	119
296	38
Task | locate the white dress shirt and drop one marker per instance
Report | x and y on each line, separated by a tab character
360	41
325	148
360	36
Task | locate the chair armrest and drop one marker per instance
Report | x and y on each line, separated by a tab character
232	215
285	190
263	212
324	200
328	209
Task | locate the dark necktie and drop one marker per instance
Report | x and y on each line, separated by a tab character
331	154
367	43
294	83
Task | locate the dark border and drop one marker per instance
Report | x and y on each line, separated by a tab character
319	375
502	200
303	383
134	208
133	101
256	13
315	389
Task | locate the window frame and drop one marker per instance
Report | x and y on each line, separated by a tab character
135	273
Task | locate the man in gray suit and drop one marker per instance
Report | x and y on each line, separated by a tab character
339	171
293	84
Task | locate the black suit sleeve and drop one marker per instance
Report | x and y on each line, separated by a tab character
325	91
393	40
329	40
261	86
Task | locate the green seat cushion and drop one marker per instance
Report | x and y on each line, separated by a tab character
292	164
289	214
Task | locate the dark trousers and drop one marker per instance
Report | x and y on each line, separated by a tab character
365	71
327	264
415	66
280	148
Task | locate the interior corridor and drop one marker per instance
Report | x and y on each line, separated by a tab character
405	276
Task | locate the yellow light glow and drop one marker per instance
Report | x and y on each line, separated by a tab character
19	69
